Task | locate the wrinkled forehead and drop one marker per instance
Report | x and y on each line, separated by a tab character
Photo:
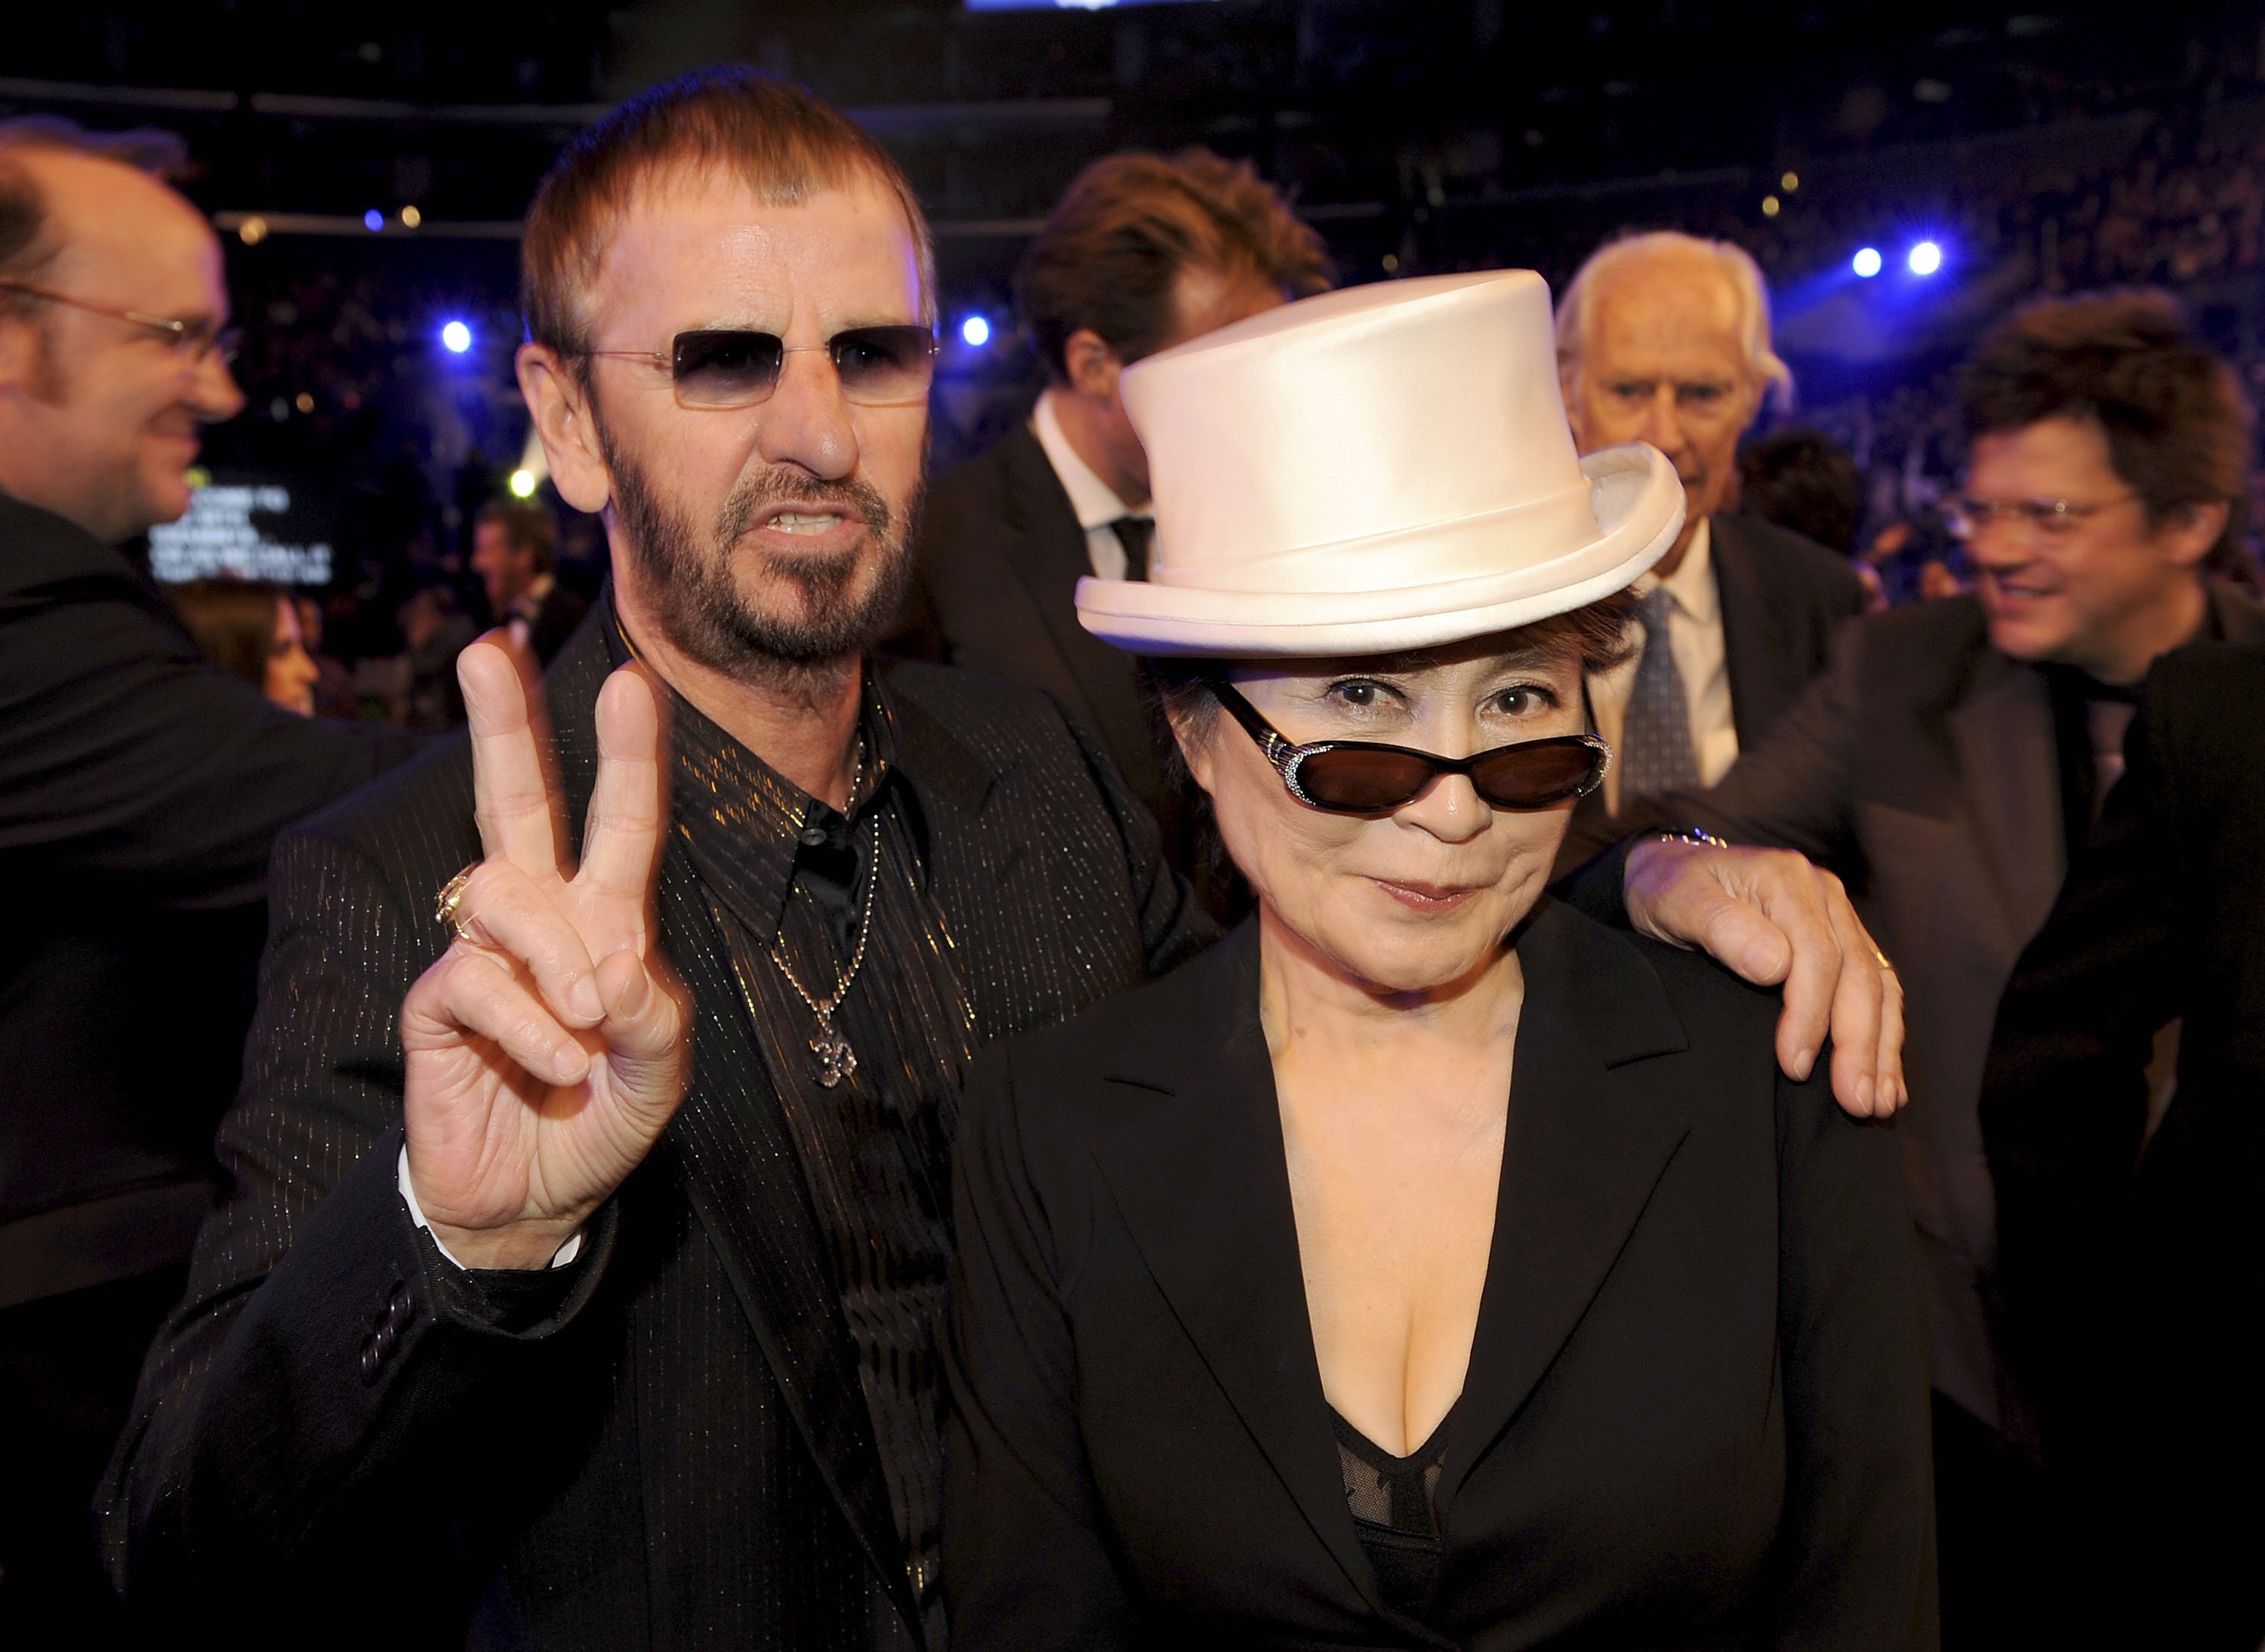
699	245
1663	308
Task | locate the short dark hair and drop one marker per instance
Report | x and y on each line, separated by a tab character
528	524
26	248
1110	253
784	142
1803	479
2177	425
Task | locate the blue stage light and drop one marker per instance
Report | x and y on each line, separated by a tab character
372	220
976	330
1926	258
1867	262
457	336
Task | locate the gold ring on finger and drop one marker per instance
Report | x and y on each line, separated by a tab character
451	899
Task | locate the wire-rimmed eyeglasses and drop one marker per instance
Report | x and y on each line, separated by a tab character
194	341
717	368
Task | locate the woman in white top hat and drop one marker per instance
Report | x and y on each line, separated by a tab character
1426	1264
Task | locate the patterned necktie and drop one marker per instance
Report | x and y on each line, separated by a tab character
1134	533
1657	753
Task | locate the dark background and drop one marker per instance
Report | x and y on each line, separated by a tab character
2043	150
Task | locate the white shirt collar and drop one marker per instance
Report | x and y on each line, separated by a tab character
1691	588
1094	500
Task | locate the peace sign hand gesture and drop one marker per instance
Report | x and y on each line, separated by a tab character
547	1047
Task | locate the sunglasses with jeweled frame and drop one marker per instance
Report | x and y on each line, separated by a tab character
1366	777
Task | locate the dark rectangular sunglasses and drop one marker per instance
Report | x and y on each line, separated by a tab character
719	367
1361	777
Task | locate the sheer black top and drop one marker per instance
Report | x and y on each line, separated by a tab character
1395	1510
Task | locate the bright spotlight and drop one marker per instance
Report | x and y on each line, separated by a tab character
372	220
522	484
1926	258
457	336
1867	262
976	330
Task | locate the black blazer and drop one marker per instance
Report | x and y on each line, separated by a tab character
666	1443
1783	597
1000	554
2131	1279
139	791
1696	1411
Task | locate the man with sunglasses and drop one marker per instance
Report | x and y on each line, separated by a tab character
1951	763
581	1277
139	791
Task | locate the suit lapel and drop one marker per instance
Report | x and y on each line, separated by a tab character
1750	641
2009	768
1593	1126
730	1148
1045	548
1204	1186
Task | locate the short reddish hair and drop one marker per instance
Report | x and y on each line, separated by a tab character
1110	254
784	142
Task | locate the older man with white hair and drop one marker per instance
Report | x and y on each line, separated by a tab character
1665	338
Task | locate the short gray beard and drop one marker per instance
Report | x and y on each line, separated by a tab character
698	603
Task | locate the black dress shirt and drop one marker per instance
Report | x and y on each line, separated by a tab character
789	877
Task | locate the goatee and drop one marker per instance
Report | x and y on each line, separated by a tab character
707	592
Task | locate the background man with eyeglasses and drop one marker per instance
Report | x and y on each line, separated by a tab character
139	794
1951	762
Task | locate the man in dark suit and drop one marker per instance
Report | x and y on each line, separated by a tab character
1665	338
533	1316
1142	253
2131	1247
514	549
139	793
1951	760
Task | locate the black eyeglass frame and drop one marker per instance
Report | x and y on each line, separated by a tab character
1289	758
672	360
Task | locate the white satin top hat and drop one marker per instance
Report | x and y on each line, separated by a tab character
1380	468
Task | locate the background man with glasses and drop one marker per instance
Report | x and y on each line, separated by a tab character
1951	763
557	1304
139	794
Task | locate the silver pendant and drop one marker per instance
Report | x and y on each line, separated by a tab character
836	1061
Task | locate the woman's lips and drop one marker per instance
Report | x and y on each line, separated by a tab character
1427	897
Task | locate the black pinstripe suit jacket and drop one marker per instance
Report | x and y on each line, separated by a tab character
666	1443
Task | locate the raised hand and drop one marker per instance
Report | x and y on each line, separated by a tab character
1772	916
547	1047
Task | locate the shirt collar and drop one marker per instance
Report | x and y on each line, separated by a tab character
1691	586
1094	500
738	818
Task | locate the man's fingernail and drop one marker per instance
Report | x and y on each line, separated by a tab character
1804	1063
584	999
571	1063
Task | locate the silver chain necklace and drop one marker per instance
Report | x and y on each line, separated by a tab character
836	1061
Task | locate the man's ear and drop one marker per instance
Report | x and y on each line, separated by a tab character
2189	533
1092	367
20	353
1569	388
564	419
